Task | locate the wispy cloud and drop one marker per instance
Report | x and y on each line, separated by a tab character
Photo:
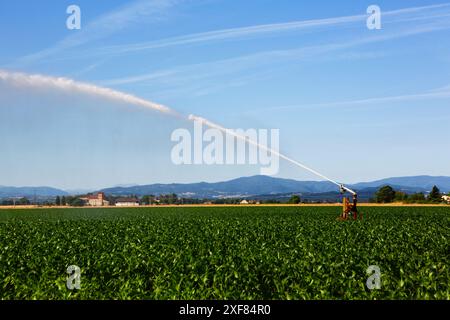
106	25
440	93
86	69
140	78
442	89
401	15
189	74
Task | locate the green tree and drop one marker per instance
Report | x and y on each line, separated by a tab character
148	199
173	198
400	196
417	197
58	201
169	199
23	202
435	195
385	194
63	201
270	201
77	202
145	200
7	203
295	199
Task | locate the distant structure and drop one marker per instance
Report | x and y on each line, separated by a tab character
96	200
446	198
127	202
249	202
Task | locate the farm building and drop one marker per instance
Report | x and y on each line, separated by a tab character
127	202
96	200
446	198
249	202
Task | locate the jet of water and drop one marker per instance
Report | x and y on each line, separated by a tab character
264	147
65	84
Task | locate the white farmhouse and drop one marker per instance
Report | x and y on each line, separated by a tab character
446	198
127	202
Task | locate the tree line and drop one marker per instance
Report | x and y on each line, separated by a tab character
387	194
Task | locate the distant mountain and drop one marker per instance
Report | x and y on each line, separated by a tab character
30	192
261	186
418	183
267	186
75	192
240	187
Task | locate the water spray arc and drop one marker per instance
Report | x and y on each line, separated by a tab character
348	207
261	146
65	84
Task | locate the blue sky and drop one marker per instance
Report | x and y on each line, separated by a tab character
355	104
